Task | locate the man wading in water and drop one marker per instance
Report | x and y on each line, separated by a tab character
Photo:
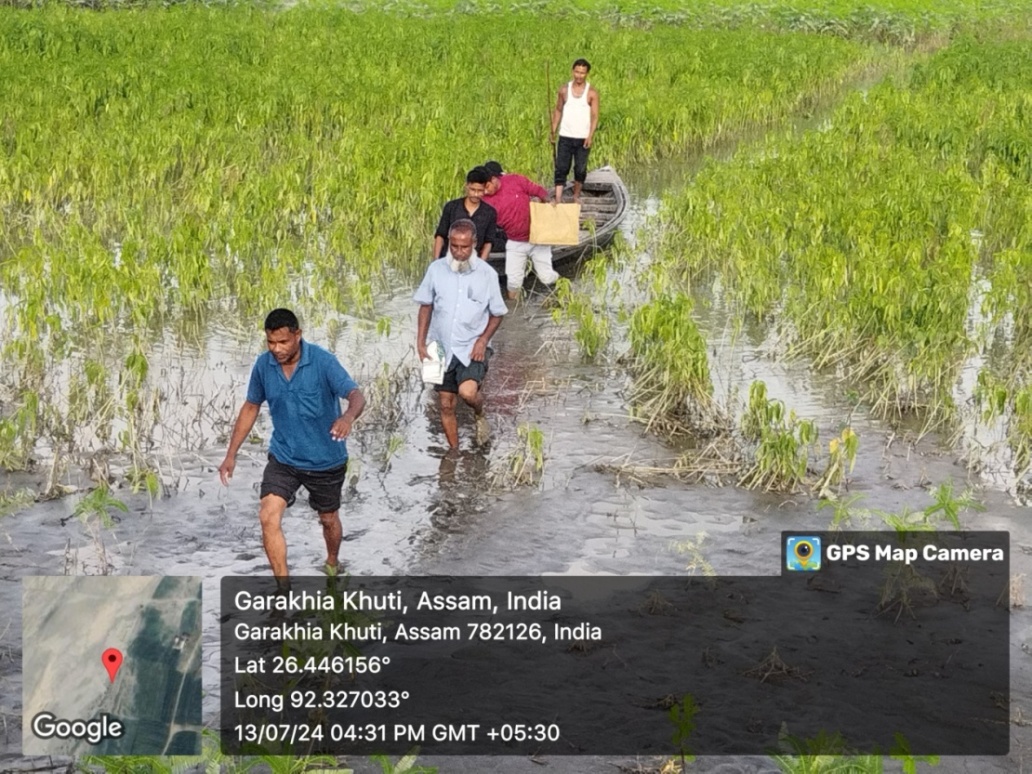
460	307
303	385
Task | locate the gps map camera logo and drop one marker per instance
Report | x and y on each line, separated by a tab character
803	553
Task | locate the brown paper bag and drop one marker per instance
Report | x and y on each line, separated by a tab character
554	225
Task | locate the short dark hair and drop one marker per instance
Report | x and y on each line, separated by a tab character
582	63
464	224
478	175
281	318
493	168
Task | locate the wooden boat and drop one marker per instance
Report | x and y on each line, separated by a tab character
603	206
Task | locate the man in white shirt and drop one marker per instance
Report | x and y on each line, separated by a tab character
461	307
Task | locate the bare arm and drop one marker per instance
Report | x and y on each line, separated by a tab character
441	232
485	251
422	328
557	114
480	345
342	425
244	422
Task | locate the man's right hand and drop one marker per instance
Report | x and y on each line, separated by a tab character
421	351
226	469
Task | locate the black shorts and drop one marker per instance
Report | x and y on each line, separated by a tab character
323	486
458	373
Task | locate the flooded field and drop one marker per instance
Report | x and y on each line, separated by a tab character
417	512
126	360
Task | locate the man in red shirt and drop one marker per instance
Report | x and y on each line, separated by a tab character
510	195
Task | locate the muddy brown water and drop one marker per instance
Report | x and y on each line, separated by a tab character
417	513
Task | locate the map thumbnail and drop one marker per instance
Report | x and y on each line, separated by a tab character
112	666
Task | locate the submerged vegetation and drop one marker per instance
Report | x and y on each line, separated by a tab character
524	464
673	392
174	168
889	245
178	167
168	174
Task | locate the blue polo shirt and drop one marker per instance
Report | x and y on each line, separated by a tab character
303	408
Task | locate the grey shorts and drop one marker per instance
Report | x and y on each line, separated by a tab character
458	373
323	485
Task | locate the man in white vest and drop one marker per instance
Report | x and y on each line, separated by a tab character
574	121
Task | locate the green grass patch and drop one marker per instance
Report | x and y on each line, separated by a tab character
857	240
167	168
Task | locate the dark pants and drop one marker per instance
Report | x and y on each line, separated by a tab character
323	485
458	373
570	150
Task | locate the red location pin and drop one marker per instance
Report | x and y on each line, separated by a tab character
112	660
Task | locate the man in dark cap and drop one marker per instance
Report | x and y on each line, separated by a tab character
510	195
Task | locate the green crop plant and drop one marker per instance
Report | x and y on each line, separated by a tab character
384	416
394	444
855	239
18	433
14	501
842	510
947	506
94	511
901	23
697	562
98	504
682	716
190	163
592	333
672	392
901	752
527	462
824	754
405	765
783	443
944	510
841	459
169	165
904	586
1021	431
991	395
144	480
1009	398
524	464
